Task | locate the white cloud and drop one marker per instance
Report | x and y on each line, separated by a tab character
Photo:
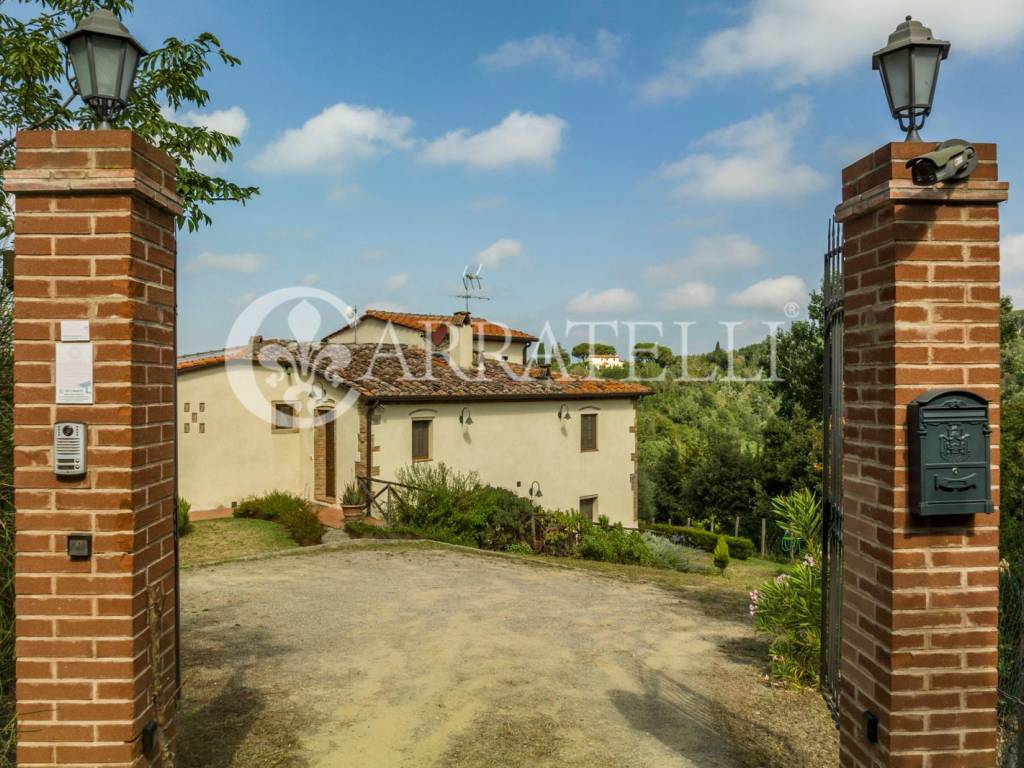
694	295
395	282
373	254
566	55
502	250
1011	253
238	263
773	293
335	138
343	193
233	121
712	252
797	41
311	279
521	138
754	159
597	302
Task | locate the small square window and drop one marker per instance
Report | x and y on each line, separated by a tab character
187	425
187	407
195	417
284	417
202	428
421	440
202	407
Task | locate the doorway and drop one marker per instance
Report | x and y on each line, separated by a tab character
325	463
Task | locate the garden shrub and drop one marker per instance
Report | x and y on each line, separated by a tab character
739	547
613	544
293	512
787	610
184	519
665	553
787	613
303	525
269	506
721	554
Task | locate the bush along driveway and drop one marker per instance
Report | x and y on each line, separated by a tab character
422	655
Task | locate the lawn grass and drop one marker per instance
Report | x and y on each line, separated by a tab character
212	541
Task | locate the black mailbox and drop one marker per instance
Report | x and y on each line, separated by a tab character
949	457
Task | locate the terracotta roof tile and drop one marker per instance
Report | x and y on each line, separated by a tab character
388	372
421	322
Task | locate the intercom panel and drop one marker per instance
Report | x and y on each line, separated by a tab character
69	448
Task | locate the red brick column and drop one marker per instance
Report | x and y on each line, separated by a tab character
95	240
920	595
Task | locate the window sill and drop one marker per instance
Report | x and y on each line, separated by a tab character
284	431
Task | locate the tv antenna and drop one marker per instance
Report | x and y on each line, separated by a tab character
472	285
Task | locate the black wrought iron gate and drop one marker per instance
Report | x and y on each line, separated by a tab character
832	472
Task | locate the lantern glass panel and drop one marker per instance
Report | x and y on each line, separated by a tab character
107	52
926	67
78	48
896	69
131	63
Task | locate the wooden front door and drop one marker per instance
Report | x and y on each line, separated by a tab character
331	463
325	462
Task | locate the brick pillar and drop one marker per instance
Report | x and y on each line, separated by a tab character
95	241
920	595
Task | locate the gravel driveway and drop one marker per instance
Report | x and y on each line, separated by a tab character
370	658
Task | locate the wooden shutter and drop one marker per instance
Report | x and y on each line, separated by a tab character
420	440
588	432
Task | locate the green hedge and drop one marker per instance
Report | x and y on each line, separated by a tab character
739	547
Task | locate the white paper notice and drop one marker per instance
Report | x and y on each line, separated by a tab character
74	373
74	330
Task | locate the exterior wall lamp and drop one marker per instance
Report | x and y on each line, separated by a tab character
909	66
105	58
465	417
535	491
563	413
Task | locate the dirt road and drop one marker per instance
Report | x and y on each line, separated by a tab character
430	657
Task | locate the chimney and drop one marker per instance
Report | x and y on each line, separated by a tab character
544	371
460	348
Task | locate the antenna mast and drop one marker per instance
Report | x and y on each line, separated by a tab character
472	285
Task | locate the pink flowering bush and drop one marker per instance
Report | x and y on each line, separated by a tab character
787	610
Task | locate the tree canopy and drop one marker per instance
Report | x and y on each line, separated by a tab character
35	94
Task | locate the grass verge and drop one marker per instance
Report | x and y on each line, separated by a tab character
229	538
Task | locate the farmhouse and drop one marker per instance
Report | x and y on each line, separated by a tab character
312	418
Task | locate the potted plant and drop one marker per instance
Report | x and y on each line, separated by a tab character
353	501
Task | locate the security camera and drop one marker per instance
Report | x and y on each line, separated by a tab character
954	159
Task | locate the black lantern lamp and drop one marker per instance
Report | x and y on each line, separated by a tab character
909	65
105	58
465	417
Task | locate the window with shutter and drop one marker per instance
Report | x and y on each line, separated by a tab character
283	417
588	507
421	440
588	432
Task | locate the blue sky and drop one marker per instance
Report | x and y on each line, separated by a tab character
654	161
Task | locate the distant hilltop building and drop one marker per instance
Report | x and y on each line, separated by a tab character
605	361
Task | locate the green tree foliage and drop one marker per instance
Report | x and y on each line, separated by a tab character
721	555
34	93
1011	436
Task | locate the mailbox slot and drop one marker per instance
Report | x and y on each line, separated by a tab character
948	446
